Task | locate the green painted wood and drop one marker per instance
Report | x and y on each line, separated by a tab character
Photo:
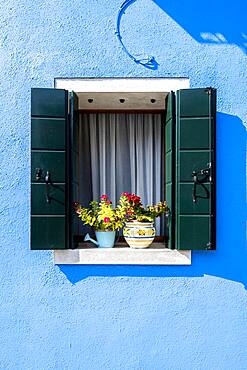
44	133
48	233
200	106
54	162
49	153
192	161
49	103
195	151
39	204
168	189
169	167
189	128
194	231
202	205
74	167
168	135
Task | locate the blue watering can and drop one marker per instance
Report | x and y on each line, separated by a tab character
105	239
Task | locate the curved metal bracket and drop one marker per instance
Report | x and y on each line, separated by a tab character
47	182
199	177
148	62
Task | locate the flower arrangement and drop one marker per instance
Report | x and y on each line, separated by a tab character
100	215
131	208
103	217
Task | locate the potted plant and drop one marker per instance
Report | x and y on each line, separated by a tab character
103	218
139	230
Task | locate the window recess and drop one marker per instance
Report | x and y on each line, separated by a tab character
121	152
183	127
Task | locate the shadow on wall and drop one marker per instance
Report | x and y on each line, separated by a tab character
212	22
229	261
148	62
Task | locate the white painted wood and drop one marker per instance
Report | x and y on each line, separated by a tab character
122	256
122	84
122	101
154	255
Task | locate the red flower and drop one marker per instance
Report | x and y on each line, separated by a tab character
134	199
106	219
75	204
125	194
104	197
108	202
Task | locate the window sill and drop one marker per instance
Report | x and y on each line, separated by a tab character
157	254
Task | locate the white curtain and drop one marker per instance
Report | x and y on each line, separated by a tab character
121	152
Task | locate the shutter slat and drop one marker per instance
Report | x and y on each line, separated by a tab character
169	166
49	103
39	203
44	133
48	233
74	167
54	162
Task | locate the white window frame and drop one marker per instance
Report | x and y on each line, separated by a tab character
128	256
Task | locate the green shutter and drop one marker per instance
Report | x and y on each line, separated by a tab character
74	167
49	153
169	165
195	169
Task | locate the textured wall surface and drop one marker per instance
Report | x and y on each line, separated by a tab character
128	318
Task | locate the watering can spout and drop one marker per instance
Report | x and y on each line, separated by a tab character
87	238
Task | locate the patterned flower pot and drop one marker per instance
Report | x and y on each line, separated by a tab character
139	234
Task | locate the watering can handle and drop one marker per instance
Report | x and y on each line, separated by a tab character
87	238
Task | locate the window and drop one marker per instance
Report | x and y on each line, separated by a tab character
188	121
121	152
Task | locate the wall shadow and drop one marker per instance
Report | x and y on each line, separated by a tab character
229	261
212	22
148	62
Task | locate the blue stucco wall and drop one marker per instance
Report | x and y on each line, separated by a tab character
131	318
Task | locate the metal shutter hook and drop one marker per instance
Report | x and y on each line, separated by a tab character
47	182
196	181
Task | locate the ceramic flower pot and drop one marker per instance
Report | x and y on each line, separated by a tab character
139	234
105	239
